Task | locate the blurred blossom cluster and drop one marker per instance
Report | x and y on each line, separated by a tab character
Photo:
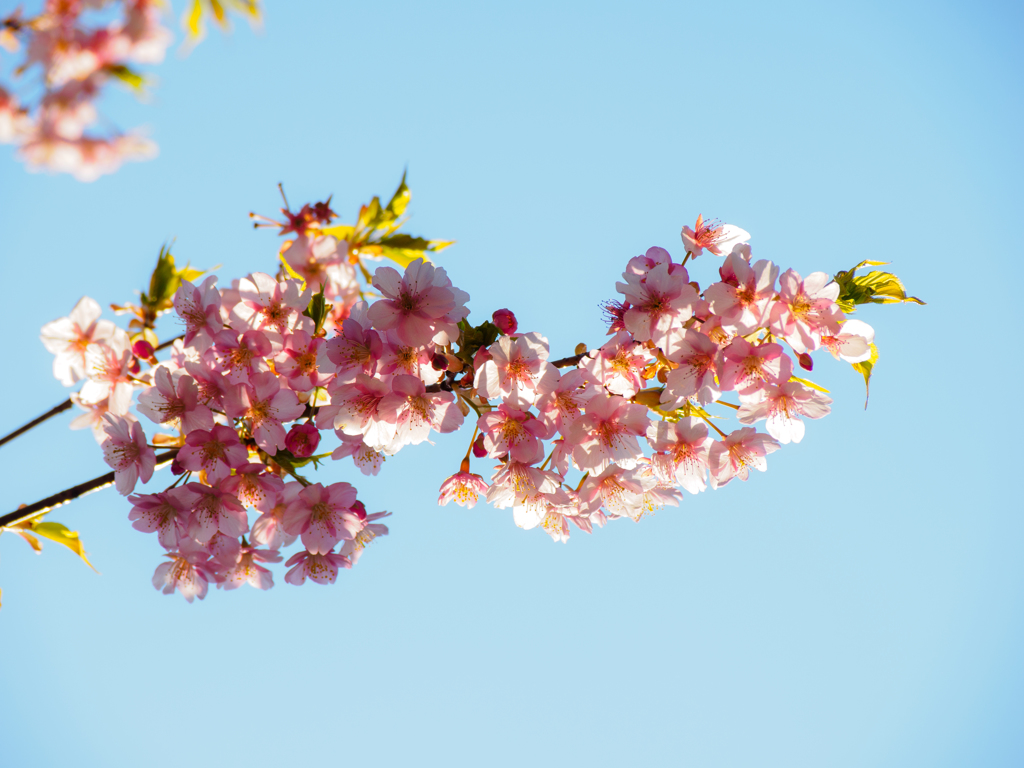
65	57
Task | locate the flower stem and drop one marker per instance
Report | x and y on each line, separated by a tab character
43	506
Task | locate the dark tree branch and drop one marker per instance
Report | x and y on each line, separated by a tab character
70	494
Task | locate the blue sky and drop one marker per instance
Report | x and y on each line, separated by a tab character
859	604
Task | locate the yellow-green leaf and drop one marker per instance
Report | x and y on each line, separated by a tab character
341	231
403	256
873	288
400	199
865	369
194	20
811	384
61	534
291	272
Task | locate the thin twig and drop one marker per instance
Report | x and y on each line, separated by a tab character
70	494
36	422
565	362
61	407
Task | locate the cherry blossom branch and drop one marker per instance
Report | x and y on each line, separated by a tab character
70	494
61	407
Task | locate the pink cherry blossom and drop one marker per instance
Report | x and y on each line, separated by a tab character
422	306
268	530
323	569
200	308
215	510
748	368
852	343
661	300
168	512
694	374
303	362
242	357
125	450
806	310
738	453
414	412
618	365
248	570
618	490
215	452
109	376
265	405
270	306
743	297
254	487
564	404
463	488
187	570
71	337
516	433
358	348
682	453
324	516
517	371
355	410
782	405
607	434
718	238
174	400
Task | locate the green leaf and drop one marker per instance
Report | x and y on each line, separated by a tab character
128	76
873	288
406	242
865	368
61	534
400	199
472	339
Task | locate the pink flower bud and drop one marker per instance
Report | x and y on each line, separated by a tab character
302	440
805	361
439	362
505	321
133	366
478	447
143	349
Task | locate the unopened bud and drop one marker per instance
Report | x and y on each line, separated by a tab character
581	349
439	362
805	361
143	349
478	447
176	468
133	366
505	320
663	376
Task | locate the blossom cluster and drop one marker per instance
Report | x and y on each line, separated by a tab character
633	415
70	52
268	366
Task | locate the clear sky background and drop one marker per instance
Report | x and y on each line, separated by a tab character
860	604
